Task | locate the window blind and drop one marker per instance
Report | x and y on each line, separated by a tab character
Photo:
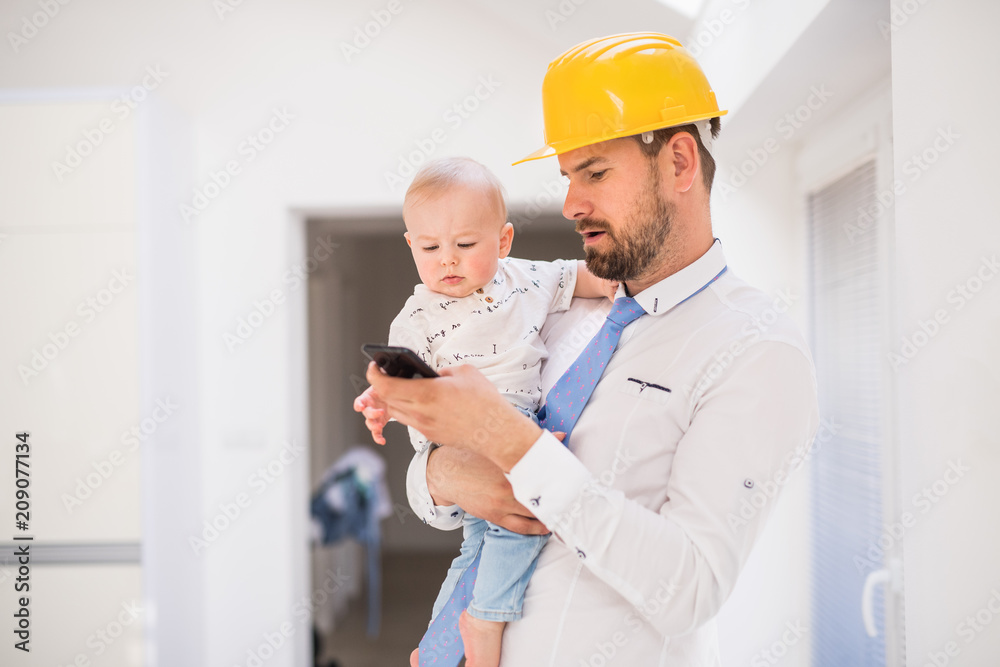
847	328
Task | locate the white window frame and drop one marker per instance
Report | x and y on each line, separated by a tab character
860	133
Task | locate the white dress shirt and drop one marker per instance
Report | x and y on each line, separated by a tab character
707	404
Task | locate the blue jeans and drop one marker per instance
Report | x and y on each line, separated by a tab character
505	567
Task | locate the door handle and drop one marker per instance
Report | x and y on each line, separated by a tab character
891	575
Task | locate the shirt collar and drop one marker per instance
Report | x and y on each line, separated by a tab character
678	287
493	291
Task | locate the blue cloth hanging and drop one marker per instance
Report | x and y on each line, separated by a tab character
351	500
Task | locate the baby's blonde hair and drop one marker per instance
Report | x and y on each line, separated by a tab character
439	175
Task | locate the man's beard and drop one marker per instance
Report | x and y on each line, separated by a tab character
640	241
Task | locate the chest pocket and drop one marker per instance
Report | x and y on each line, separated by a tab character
646	390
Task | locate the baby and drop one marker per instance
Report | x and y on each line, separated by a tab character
475	305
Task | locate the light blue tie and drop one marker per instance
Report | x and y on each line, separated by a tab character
442	645
568	396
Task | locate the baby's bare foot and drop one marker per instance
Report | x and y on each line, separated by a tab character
482	640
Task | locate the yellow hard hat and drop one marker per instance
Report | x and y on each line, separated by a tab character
618	86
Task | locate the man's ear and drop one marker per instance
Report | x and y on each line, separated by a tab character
506	239
683	161
406	235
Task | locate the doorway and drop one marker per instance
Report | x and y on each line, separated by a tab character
351	300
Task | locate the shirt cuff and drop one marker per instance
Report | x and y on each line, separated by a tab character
551	498
442	517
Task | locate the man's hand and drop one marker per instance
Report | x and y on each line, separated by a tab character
373	408
461	409
461	477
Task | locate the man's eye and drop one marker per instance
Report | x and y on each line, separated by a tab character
430	248
466	245
598	175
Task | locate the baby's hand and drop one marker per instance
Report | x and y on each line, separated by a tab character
610	288
373	408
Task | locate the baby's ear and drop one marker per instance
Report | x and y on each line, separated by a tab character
506	239
406	235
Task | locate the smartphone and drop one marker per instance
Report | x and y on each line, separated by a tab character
398	361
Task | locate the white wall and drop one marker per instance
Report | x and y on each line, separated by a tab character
760	32
944	62
70	359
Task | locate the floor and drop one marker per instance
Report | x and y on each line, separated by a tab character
410	584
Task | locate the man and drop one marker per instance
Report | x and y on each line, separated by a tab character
701	405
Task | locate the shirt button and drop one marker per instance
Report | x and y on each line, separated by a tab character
454	513
748	483
534	501
581	555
